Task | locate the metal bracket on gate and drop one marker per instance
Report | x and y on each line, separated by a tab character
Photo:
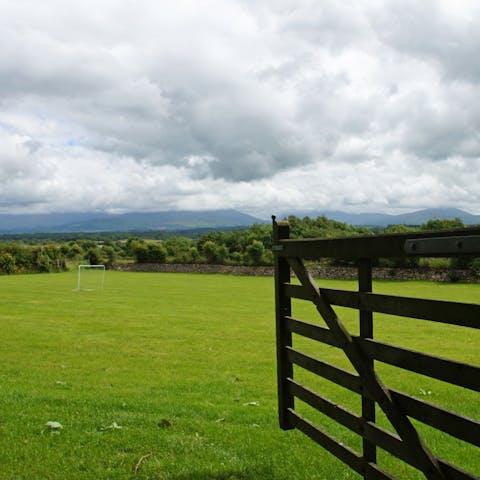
443	245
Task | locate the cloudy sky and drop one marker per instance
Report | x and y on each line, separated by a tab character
263	106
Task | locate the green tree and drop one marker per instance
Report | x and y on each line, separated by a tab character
156	253
399	229
149	253
193	254
65	249
209	250
7	263
139	252
87	244
222	254
236	258
475	266
94	256
255	252
110	255
44	262
74	250
177	246
131	246
442	224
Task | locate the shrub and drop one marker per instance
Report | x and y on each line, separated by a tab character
7	263
236	258
435	263
149	253
255	252
94	256
194	255
209	250
44	262
110	255
475	266
454	276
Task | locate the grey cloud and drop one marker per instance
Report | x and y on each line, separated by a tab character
247	140
32	145
331	25
426	30
177	109
33	63
434	123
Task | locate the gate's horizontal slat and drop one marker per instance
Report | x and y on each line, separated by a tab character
449	422
343	453
454	473
452	313
332	410
342	298
456	373
352	248
326	370
296	291
310	330
450	246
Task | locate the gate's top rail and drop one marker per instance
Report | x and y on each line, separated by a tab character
445	243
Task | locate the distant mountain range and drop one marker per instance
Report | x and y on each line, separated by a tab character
211	219
105	222
384	220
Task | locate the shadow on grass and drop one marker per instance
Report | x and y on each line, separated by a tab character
255	474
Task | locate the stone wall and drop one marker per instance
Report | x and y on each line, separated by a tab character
331	272
193	268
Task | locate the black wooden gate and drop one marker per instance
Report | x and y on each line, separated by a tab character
362	350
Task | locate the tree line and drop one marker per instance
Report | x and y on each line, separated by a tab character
249	246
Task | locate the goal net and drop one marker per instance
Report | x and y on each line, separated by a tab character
91	277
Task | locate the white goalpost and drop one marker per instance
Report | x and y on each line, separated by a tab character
87	281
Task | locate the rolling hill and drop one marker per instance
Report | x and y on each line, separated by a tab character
384	220
210	219
105	222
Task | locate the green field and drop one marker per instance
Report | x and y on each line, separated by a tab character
175	374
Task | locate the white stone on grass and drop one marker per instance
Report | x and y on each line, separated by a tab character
54	425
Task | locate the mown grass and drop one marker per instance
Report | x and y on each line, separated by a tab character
185	365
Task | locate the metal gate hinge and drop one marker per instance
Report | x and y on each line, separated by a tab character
455	245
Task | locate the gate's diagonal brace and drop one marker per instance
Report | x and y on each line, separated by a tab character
370	381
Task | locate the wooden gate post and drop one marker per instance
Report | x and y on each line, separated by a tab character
283	308
366	331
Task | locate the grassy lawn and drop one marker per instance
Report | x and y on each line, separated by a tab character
175	374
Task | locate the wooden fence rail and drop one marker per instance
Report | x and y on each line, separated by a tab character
362	351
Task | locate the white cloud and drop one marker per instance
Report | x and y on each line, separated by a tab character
261	106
